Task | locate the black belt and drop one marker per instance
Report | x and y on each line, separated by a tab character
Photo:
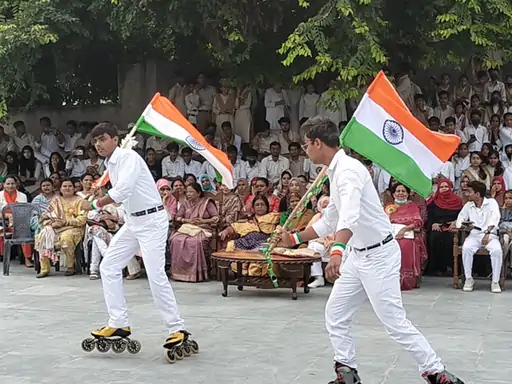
373	246
148	211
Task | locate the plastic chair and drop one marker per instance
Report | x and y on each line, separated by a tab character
21	232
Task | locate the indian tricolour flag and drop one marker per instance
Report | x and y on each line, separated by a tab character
385	131
162	119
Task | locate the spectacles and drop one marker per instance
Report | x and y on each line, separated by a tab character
305	146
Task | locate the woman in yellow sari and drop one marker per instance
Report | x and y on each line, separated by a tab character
253	233
63	226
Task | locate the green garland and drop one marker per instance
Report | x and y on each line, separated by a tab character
266	250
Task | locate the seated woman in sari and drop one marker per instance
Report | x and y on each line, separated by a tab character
443	208
42	201
11	195
197	216
297	223
63	227
253	233
231	206
406	217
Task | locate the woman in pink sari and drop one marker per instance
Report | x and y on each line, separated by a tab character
406	217
197	217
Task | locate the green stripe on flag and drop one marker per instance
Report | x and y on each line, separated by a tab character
388	157
144	127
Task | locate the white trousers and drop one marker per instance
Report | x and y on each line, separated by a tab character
473	243
374	274
316	268
99	250
149	233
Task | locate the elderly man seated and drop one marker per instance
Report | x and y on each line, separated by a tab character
482	216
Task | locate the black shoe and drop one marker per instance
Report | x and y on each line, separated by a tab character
345	375
444	377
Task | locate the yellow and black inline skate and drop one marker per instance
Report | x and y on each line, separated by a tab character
116	338
178	346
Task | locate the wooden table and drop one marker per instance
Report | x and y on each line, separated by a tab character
295	268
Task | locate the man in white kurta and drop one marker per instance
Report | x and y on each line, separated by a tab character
145	228
371	266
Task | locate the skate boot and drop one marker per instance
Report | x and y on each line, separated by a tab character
178	345
444	377
116	338
345	375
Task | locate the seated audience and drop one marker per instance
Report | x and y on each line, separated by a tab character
482	215
443	208
197	218
406	218
63	226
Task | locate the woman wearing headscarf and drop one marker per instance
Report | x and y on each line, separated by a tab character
210	190
498	190
443	208
168	200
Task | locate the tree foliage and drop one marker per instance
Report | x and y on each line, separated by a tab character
60	51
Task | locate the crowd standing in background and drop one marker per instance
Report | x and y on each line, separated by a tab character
271	171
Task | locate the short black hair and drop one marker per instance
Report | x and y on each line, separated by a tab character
434	119
226	124
274	143
322	129
284	119
104	128
73	123
450	119
45	119
443	93
505	115
419	96
293	144
478	187
172	146
232	149
186	151
47	180
475	112
18	123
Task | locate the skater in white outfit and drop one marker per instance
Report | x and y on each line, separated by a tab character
371	266
146	227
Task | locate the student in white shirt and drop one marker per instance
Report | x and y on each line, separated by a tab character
190	166
252	165
484	216
371	262
239	171
21	138
308	102
172	165
461	163
72	136
450	127
475	133
52	140
444	109
146	228
272	166
75	165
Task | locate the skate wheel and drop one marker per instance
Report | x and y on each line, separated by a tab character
170	356
118	346
194	346
134	347
187	351
103	345
88	345
179	353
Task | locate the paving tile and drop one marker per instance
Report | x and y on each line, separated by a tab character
250	337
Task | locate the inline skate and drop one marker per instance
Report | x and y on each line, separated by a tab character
116	338
444	377
345	375
178	346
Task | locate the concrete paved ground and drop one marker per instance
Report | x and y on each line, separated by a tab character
250	337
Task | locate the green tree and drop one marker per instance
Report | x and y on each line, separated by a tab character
354	39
